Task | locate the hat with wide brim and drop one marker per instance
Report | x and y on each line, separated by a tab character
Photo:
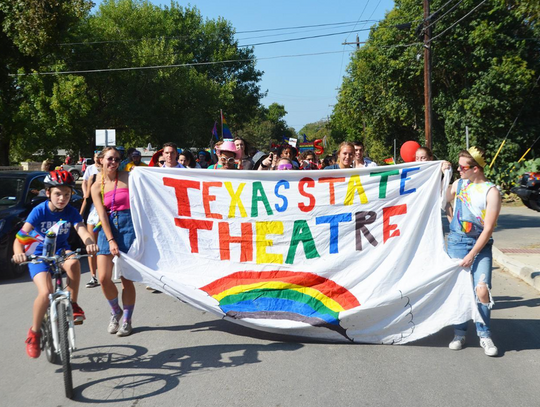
230	147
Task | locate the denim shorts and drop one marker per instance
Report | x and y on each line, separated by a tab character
122	230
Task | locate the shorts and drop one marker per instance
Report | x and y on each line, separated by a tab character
122	230
35	269
93	217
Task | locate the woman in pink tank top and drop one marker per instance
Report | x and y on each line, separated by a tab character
110	194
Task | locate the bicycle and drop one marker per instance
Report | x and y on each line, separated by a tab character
58	326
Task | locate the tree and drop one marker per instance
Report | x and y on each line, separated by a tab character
268	127
483	76
29	29
177	103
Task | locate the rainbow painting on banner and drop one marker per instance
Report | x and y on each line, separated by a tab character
294	296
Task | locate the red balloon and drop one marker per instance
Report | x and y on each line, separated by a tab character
408	151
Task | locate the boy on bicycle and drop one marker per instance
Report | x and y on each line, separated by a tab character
59	188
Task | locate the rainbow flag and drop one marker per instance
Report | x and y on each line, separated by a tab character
97	227
30	240
389	161
215	132
226	131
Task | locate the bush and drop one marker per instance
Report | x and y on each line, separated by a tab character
508	175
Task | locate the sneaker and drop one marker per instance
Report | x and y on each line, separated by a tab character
125	329
115	322
33	342
489	347
457	343
92	283
78	314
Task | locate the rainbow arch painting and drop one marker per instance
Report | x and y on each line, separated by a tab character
286	295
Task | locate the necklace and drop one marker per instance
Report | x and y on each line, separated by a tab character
103	190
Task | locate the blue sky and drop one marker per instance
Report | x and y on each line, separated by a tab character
306	86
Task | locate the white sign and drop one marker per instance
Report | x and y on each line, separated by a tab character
340	255
106	137
292	142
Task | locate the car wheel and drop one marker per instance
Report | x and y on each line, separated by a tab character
76	175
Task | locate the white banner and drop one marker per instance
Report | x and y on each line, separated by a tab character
340	255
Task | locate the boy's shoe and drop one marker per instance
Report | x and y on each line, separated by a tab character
489	347
78	314
125	329
457	343
33	344
92	283
115	322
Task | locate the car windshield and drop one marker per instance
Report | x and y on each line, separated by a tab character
11	190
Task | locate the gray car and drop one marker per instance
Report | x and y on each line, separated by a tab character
77	169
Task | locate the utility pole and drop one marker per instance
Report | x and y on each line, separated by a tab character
357	42
427	74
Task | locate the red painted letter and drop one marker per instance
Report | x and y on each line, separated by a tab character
193	226
207	198
391	230
180	188
331	181
245	240
310	183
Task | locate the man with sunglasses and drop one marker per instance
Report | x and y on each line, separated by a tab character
477	203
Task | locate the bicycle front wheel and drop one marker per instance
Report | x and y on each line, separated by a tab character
64	349
47	339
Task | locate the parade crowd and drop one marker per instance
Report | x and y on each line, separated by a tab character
105	225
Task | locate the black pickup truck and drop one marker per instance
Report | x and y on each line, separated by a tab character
529	190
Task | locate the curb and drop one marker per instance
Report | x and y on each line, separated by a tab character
518	269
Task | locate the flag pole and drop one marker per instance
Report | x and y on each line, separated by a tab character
221	118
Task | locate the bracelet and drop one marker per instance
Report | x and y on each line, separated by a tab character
112	238
264	166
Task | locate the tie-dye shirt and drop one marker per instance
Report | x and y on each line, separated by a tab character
470	207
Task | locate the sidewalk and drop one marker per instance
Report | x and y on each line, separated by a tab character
517	243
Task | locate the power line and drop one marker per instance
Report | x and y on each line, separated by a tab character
186	36
442	16
458	21
137	68
306	26
301	38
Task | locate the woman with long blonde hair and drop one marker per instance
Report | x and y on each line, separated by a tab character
110	194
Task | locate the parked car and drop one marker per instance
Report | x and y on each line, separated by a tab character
77	169
529	190
20	192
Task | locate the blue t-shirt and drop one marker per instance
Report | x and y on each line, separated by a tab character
42	219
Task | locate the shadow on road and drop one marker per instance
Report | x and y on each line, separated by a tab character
222	325
171	365
516	334
505	302
514	221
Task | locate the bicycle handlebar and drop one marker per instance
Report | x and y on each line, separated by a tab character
57	258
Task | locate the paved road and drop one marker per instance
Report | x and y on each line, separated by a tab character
179	356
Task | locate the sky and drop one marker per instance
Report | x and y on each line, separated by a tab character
306	85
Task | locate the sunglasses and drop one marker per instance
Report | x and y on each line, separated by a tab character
464	168
162	162
113	159
284	167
